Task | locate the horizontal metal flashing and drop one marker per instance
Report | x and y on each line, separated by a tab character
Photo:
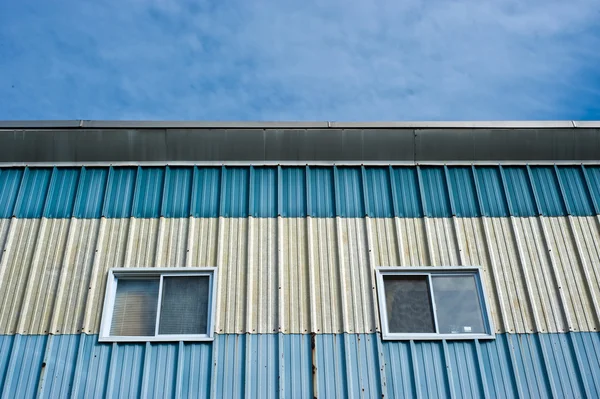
308	142
103	124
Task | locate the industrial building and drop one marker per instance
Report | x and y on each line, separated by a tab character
299	260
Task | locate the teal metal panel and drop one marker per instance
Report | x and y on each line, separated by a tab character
349	194
177	192
548	191
235	192
521	200
119	192
293	192
378	191
406	193
149	190
463	191
321	192
10	181
263	189
91	192
33	192
592	174
435	192
577	195
61	193
206	192
491	191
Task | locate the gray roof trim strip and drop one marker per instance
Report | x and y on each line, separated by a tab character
89	124
290	163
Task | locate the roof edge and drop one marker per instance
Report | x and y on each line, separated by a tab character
103	124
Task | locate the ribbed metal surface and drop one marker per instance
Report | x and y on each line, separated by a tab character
317	191
281	365
300	275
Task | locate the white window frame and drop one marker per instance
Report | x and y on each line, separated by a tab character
476	271
135	273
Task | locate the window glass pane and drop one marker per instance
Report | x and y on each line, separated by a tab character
134	312
184	308
408	304
458	305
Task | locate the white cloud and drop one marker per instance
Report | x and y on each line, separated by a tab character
311	60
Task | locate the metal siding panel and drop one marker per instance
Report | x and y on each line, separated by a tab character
575	285
463	192
406	192
536	260
519	191
577	195
149	190
321	192
61	193
326	274
293	190
264	192
564	365
492	192
433	372
548	191
296	281
14	270
350	191
91	191
593	173
379	192
10	181
119	192
206	192
435	189
33	192
24	366
235	193
177	192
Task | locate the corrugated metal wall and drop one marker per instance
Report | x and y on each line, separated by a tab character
295	249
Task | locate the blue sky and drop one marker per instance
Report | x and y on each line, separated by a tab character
300	60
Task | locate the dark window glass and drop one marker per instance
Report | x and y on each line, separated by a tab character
408	304
184	305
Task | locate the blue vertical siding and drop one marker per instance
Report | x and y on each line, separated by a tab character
548	191
435	192
276	365
61	193
91	192
33	192
206	192
149	190
491	191
406	193
378	189
592	175
234	192
263	189
349	194
293	192
10	181
463	192
577	195
177	192
119	192
321	192
521	202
